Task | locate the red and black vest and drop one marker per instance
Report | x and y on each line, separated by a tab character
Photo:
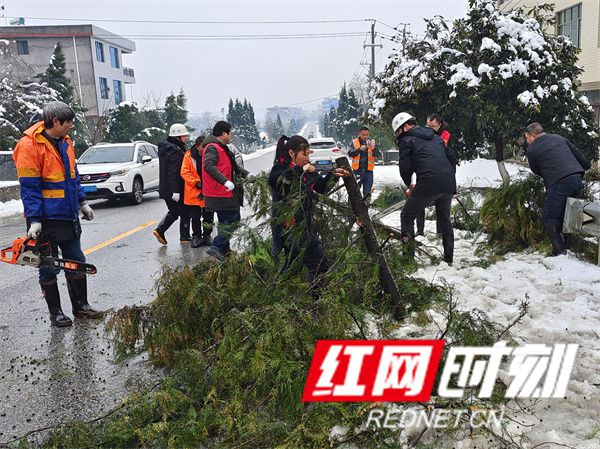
210	187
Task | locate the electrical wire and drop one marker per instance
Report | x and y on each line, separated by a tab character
200	22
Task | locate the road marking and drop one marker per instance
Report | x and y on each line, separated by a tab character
118	237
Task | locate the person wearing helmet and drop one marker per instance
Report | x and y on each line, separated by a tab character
425	154
170	189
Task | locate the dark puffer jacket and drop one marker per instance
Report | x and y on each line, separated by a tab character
289	185
553	157
170	158
424	153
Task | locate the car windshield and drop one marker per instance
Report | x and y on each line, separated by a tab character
322	145
107	155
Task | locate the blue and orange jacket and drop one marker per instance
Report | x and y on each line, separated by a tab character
49	179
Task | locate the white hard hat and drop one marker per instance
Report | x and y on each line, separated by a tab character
178	130
400	120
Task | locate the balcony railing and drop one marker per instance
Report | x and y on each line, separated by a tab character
128	72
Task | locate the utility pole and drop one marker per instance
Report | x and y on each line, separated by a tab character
404	25
372	45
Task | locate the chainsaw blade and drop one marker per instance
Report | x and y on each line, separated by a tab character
68	265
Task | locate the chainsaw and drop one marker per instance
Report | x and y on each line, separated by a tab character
37	253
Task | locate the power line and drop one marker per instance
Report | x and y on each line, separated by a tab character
200	22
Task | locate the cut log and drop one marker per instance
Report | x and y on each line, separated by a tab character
361	212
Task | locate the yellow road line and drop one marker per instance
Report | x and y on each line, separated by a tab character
118	237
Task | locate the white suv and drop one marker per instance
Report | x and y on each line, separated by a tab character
325	151
119	170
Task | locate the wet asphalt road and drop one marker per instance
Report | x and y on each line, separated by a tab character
50	375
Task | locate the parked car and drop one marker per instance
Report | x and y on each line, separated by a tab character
325	152
119	170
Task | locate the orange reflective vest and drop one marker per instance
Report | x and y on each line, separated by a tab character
370	156
191	178
48	176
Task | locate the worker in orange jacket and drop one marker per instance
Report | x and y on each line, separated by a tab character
193	199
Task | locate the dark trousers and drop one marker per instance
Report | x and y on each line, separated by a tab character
71	250
366	178
202	221
229	221
421	224
416	204
175	211
553	213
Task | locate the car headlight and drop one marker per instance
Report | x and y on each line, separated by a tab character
121	172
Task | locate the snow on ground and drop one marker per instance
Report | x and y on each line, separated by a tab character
258	153
477	173
8	183
10	208
564	300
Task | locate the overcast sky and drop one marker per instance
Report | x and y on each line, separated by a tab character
267	72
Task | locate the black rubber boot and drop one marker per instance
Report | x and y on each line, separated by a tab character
206	232
162	227
52	297
77	287
196	242
556	237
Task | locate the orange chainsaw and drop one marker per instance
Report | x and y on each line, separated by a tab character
36	253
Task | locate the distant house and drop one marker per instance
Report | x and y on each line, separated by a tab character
93	56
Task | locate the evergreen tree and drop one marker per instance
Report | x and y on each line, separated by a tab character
124	123
345	120
175	110
55	77
242	119
490	75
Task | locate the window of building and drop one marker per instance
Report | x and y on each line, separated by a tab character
99	51
22	47
118	91
103	88
569	24
114	57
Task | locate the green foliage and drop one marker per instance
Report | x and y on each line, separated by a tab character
389	196
512	215
241	116
343	123
175	110
465	214
237	338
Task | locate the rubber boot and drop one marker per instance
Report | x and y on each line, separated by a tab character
196	241
556	237
52	297
184	230
162	227
77	287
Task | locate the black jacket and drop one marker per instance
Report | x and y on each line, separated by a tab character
170	158
424	153
553	157
211	159
290	186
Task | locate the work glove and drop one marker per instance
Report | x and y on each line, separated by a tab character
175	197
229	186
410	190
86	210
34	230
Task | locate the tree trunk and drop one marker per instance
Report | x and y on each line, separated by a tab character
499	143
361	213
